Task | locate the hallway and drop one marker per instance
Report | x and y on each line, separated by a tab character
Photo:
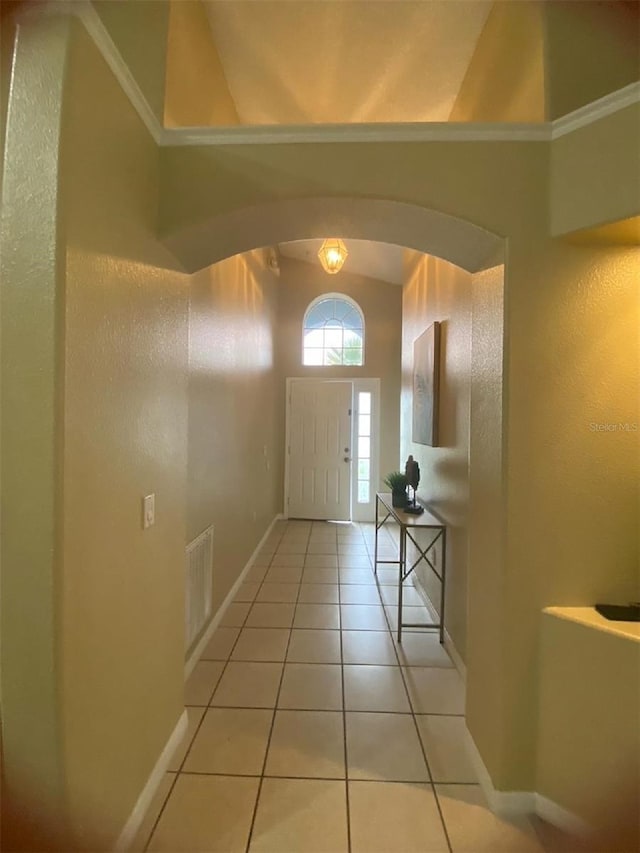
311	729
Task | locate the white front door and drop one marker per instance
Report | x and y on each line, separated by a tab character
319	450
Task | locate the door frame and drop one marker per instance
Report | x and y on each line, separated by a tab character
357	384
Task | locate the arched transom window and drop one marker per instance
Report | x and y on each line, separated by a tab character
333	332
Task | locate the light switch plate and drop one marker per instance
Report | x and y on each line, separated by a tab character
148	510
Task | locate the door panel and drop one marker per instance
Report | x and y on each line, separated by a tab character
319	443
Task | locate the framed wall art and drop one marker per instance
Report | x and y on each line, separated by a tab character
426	386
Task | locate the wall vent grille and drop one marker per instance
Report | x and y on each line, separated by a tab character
199	583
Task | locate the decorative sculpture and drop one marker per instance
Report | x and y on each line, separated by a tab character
412	473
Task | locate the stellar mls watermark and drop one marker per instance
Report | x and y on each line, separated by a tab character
613	427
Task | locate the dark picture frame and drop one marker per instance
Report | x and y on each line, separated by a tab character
426	386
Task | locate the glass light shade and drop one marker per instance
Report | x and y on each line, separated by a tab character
333	253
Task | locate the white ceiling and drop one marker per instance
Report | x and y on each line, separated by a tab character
374	260
301	61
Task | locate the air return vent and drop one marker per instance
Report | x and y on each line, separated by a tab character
199	579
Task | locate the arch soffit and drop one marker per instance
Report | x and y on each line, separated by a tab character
429	231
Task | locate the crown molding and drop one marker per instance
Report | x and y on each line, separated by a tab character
358	133
324	133
596	110
84	11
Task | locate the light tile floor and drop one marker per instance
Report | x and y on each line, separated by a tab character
311	730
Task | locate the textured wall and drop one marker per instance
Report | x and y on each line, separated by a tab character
588	733
235	447
381	304
31	294
438	291
485	637
125	435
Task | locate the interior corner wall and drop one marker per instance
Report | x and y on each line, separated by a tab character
505	78
486	602
191	58
439	291
235	446
381	304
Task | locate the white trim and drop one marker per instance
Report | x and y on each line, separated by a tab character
83	10
454	654
280	134
590	113
560	817
194	657
136	817
361	512
524	802
501	802
359	133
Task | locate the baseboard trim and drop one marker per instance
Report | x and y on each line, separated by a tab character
562	818
501	802
194	657
136	817
524	802
450	646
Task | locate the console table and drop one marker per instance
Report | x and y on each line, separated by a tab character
408	525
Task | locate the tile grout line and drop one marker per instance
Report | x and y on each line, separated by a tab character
341	628
273	718
321	778
198	727
422	747
344	713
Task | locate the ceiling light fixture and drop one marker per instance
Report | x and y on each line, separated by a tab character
333	253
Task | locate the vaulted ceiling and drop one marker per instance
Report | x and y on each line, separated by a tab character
345	60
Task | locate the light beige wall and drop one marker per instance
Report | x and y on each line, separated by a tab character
197	94
125	436
589	738
592	49
381	304
32	294
139	31
459	179
503	187
438	291
505	78
595	173
572	531
485	591
235	447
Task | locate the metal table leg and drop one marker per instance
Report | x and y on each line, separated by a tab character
401	571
